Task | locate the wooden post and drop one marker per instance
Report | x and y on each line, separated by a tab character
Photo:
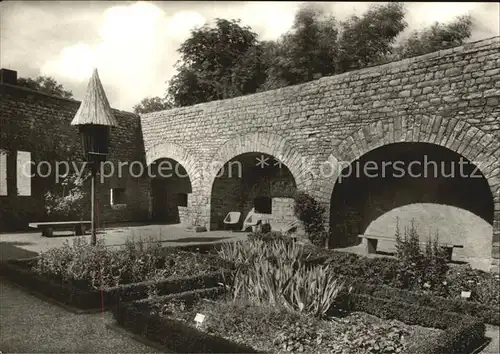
93	237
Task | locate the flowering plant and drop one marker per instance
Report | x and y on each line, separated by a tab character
72	202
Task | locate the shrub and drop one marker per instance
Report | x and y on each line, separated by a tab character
310	212
484	287
464	336
417	269
73	200
274	273
489	314
258	324
461	335
98	266
256	250
353	266
266	228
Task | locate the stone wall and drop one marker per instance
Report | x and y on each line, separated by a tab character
283	212
40	124
448	98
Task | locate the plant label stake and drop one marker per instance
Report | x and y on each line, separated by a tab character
465	294
199	318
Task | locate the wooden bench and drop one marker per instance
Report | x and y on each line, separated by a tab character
47	228
371	241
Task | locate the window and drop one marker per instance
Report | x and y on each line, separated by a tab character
263	205
23	164
117	196
182	199
3	172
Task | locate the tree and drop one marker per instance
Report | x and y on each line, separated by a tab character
228	61
216	63
317	45
369	39
307	51
438	36
152	104
45	84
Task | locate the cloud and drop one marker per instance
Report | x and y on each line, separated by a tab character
268	19
181	23
135	50
74	62
486	16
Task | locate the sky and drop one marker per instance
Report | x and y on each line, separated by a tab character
134	44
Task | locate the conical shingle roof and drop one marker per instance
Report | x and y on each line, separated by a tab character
95	108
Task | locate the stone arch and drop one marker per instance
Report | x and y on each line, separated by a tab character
186	159
261	142
181	155
475	145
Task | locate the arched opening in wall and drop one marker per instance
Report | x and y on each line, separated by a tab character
253	181
440	190
170	187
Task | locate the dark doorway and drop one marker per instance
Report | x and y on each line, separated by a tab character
445	193
170	186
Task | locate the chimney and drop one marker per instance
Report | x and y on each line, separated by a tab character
8	76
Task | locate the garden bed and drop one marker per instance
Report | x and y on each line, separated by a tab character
276	302
374	326
68	279
489	314
376	276
88	299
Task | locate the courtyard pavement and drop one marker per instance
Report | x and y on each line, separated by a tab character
168	235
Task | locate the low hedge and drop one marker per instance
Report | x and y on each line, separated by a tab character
462	334
373	276
171	334
486	313
72	295
201	248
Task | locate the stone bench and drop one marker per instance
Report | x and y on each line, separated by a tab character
47	228
370	243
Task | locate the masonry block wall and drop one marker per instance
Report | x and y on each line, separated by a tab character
283	211
448	98
40	124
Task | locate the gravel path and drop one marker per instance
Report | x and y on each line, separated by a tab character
31	325
494	346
